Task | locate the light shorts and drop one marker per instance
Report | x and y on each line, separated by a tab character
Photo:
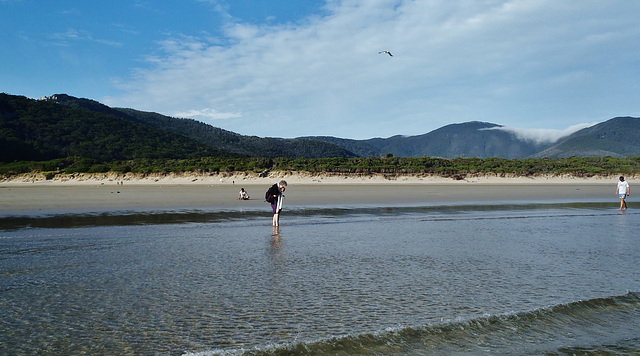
622	196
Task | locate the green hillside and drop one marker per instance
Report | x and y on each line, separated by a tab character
36	130
213	136
64	126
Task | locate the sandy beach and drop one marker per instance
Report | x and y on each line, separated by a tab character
104	193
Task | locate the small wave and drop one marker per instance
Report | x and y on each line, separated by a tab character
603	326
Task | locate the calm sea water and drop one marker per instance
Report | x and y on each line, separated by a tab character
525	279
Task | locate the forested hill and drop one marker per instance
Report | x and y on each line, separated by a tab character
62	126
36	130
213	136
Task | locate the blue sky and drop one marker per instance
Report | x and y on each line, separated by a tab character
280	68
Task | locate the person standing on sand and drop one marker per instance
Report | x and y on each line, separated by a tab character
276	203
623	190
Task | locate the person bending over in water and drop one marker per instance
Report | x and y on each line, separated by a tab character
623	190
276	204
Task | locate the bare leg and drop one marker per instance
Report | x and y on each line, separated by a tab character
623	204
276	219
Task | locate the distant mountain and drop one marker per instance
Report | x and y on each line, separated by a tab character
617	137
62	125
471	139
36	130
213	136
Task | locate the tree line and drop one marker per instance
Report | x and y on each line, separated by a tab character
577	166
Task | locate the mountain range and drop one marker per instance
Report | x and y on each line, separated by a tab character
61	125
617	137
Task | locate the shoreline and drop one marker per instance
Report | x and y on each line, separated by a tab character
96	194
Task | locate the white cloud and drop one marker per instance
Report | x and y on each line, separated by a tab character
492	60
206	114
72	34
543	135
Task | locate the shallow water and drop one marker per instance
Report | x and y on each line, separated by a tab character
420	280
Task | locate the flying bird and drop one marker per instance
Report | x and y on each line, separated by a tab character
387	52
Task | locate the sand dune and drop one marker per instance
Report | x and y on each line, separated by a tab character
294	177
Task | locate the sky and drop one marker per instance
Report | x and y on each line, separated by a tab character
292	68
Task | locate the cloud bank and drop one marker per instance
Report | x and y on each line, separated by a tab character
512	62
542	136
206	114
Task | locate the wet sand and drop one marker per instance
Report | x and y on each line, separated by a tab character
73	198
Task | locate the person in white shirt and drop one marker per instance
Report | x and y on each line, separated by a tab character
243	195
623	190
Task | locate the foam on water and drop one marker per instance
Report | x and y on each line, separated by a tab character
605	325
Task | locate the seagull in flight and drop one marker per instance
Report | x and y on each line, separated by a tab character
387	52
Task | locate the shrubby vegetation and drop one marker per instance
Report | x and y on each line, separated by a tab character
578	166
